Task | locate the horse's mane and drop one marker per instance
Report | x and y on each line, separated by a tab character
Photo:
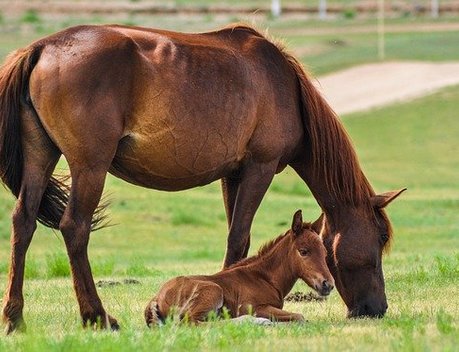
244	27
332	152
265	249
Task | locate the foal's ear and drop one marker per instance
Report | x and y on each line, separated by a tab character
318	224
297	223
382	200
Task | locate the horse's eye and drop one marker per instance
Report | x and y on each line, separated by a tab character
384	237
303	252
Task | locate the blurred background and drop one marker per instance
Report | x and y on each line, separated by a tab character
325	34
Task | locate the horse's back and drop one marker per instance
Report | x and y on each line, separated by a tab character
80	88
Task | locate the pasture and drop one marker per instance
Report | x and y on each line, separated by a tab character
157	235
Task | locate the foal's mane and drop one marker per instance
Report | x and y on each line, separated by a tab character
265	249
333	155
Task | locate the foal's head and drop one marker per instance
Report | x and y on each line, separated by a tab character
308	256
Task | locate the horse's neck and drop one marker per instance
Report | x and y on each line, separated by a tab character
337	205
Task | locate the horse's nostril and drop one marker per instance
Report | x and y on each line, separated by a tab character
326	287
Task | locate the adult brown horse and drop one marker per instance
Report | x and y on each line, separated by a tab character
173	111
257	284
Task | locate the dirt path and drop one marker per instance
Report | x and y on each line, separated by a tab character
374	85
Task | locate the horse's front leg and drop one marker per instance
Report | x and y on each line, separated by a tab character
276	314
230	186
86	191
242	205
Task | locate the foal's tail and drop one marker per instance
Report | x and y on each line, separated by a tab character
14	96
152	314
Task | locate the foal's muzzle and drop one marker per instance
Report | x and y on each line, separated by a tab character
325	288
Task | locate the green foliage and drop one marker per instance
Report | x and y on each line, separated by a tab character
3	267
445	322
322	56
57	265
103	267
138	268
349	13
448	267
32	270
189	217
31	16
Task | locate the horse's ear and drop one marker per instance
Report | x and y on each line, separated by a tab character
297	223
382	200
318	224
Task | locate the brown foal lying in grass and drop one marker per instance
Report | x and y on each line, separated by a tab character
255	285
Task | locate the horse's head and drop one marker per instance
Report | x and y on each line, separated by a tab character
355	239
308	256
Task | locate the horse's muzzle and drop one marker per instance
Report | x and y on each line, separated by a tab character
367	310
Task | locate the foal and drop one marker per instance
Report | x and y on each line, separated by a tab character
257	284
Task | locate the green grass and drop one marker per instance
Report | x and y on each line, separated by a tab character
31	16
410	145
327	53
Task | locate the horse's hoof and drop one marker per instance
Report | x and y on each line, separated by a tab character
17	326
114	326
99	323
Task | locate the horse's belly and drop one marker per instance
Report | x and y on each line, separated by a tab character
166	162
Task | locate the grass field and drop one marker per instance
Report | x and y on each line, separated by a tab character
158	235
412	145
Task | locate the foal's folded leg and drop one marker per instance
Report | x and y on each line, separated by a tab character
276	314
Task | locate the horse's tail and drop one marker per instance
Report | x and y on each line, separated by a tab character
152	314
332	153
14	86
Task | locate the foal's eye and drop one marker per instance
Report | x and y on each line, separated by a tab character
384	238
303	252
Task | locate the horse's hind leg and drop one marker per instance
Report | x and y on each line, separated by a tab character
40	158
85	194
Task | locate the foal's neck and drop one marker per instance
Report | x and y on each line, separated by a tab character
276	266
